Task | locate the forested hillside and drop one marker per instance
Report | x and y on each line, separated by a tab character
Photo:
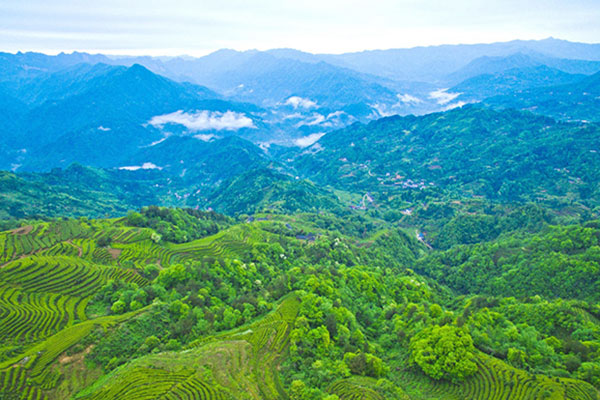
472	151
279	225
304	306
576	101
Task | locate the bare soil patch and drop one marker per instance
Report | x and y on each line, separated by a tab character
115	253
24	230
65	359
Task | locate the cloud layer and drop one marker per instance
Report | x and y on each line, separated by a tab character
442	96
146	165
204	120
299	102
308	140
407	98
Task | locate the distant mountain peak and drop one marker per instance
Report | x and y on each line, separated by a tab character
139	69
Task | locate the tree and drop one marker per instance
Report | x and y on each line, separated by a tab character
152	341
365	364
135	219
589	372
176	273
118	307
443	352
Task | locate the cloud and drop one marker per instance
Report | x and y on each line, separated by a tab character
299	102
157	141
454	105
205	137
442	96
314	119
146	165
407	98
335	114
204	120
404	101
308	140
103	129
293	116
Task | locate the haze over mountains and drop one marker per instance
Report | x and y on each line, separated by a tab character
195	125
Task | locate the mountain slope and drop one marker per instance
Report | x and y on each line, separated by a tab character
434	63
268	308
103	113
121	94
79	191
267	80
512	80
474	151
579	101
24	66
266	189
528	61
201	162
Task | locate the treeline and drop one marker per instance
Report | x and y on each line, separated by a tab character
179	225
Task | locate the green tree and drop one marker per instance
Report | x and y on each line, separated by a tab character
152	342
169	277
118	307
444	352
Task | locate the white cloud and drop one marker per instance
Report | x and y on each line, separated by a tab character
442	96
335	114
316	119
157	142
205	137
454	105
407	98
146	165
387	110
204	120
381	110
103	129
293	116
308	140
299	102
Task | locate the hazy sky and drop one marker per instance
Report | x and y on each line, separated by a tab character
173	27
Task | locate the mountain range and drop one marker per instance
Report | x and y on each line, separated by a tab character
403	224
198	127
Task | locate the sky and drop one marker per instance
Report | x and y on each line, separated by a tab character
198	27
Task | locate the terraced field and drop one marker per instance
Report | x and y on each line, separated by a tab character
41	295
34	364
165	384
15	386
46	282
30	239
355	389
241	364
49	272
228	243
498	381
28	317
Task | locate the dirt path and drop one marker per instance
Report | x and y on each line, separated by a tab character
24	230
79	249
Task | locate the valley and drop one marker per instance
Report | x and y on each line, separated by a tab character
405	224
